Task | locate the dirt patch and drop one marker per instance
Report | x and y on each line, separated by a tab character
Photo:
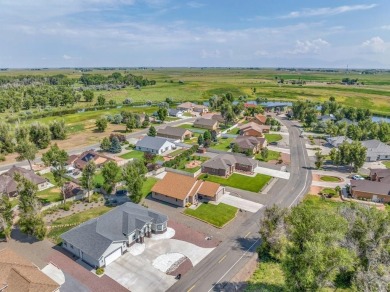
285	157
316	177
315	190
193	164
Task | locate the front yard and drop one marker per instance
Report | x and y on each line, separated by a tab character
73	220
239	181
273	137
148	185
217	215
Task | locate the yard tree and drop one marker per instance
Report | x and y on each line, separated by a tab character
368	237
273	232
6	140
40	135
200	140
264	153
229	96
88	95
101	100
235	148
149	157
152	131
115	145
105	145
319	160
335	156
162	114
117	119
130	124
354	132
26	151
58	130
134	177
87	177
101	124
30	220
111	173
358	154
21	133
6	215
206	138
57	158
227	113
314	254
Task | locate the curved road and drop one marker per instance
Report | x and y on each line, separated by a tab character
217	269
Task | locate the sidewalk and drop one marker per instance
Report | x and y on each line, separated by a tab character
272	172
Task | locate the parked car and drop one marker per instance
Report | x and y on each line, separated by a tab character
273	143
357	177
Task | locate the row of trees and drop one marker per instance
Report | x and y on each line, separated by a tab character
132	121
320	248
349	154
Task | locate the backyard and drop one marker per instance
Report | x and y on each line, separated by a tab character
239	181
217	215
272	155
192	128
73	220
50	195
223	144
148	185
133	154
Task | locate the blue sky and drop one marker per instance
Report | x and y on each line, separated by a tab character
172	33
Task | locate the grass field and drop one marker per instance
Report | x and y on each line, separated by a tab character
50	195
148	185
133	154
74	220
217	215
273	137
252	184
329	178
222	144
272	155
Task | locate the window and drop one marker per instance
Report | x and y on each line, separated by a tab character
65	244
71	246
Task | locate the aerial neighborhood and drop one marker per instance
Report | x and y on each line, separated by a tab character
137	198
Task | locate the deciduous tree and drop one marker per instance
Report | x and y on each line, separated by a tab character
101	124
87	177
27	151
111	173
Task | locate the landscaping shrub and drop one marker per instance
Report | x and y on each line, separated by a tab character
99	271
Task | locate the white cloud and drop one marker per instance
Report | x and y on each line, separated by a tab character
386	27
194	4
327	11
375	45
66	57
306	47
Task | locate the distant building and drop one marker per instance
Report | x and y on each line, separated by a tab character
80	161
192	107
337	141
175	133
208	124
259	119
155	145
249	143
376	150
175	113
254	129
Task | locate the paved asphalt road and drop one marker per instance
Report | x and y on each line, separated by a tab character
217	269
78	150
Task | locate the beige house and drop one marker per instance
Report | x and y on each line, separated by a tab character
179	190
174	133
208	124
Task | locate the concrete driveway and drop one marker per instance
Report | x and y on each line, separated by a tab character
140	272
240	203
272	172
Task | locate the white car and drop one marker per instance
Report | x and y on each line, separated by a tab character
357	177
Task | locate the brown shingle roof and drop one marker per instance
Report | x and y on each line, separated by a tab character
205	122
261	118
20	275
248	142
254	126
372	187
174	185
89	155
188	105
209	188
9	185
173	131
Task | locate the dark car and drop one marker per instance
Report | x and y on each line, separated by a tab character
120	193
273	143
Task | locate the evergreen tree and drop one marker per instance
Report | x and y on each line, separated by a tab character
264	153
152	131
105	145
200	140
101	124
115	145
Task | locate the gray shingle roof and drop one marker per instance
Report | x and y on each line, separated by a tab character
96	235
152	142
173	112
224	161
376	148
336	141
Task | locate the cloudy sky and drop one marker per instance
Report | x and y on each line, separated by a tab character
171	33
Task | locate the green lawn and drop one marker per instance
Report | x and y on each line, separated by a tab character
272	155
217	215
234	131
273	137
75	220
329	178
239	181
223	144
183	162
133	154
76	128
98	179
50	195
317	202
50	177
191	127
14	202
386	163
268	277
148	185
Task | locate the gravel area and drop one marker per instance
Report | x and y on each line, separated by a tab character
166	261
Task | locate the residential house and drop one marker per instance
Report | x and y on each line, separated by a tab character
180	190
376	150
208	124
19	274
259	119
371	190
250	144
218	117
102	240
225	164
326	118
337	141
9	186
156	145
175	133
72	189
80	161
380	175
254	129
200	109
186	106
175	113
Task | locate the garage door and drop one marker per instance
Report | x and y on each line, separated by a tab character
113	256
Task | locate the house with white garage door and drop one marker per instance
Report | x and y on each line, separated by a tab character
154	145
102	240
